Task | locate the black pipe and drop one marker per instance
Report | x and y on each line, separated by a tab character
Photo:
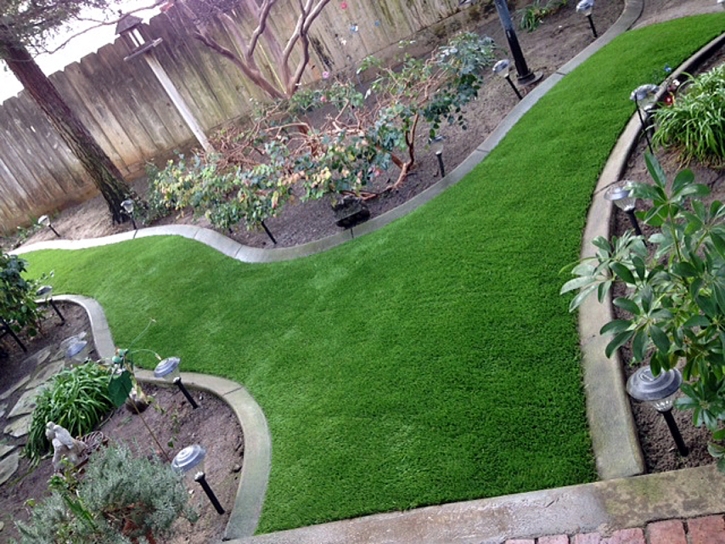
675	431
201	478
508	78
186	393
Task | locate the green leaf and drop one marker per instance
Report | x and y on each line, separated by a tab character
683	179
576	283
119	387
616	326
627	305
696	321
659	338
623	272
617	342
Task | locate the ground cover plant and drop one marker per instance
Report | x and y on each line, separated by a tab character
17	295
428	362
694	123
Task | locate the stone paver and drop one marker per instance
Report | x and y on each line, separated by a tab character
20	427
25	404
520	541
21	383
666	532
625	536
553	539
5	449
587	538
8	466
707	530
44	373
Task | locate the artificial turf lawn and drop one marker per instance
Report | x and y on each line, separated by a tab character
431	361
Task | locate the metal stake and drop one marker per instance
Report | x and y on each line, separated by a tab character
675	431
441	166
186	393
268	233
591	24
635	223
508	78
201	478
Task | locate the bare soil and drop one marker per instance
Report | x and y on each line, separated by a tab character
170	417
558	39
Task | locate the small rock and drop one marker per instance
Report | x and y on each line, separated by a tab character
237	467
2	525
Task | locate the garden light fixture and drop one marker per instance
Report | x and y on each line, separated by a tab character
503	68
585	7
44	221
192	457
644	98
46	292
525	76
437	144
168	370
721	3
127	206
621	195
78	351
660	391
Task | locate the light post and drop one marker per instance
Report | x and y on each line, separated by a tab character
644	99
168	370
660	391
128	29
44	221
525	76
721	3
503	68
128	206
438	151
585	7
46	291
192	457
621	195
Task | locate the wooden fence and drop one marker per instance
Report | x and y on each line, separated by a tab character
125	108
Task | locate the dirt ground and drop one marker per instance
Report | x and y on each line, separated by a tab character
556	41
171	418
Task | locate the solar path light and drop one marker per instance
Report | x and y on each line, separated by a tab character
621	195
168	370
46	292
659	391
644	99
525	75
128	206
503	68
437	145
44	221
585	7
191	459
77	351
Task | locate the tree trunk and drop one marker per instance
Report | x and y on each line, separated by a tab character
106	177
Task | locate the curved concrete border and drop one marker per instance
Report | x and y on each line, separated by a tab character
230	248
254	475
614	437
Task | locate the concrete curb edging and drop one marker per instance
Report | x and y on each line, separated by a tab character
614	438
254	475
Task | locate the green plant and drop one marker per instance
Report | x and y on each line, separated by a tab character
120	499
694	124
533	14
76	398
675	291
364	135
17	295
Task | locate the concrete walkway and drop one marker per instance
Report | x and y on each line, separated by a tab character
682	507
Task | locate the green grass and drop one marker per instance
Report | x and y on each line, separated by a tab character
431	361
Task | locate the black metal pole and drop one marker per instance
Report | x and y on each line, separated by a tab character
635	223
516	90
55	231
133	222
644	127
57	311
186	393
201	478
525	76
269	233
441	166
9	330
675	431
591	24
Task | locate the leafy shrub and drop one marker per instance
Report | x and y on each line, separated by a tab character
359	137
75	398
120	499
675	292
533	14
17	295
695	122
